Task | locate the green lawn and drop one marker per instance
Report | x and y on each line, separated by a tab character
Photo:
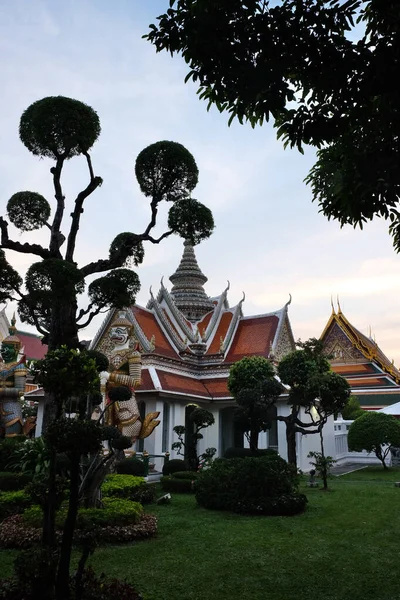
345	546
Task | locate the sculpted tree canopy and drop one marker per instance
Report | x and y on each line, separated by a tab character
60	128
315	393
374	432
253	384
324	71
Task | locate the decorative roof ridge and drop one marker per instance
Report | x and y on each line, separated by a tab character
188	331
102	328
283	317
369	348
168	330
216	313
233	325
146	344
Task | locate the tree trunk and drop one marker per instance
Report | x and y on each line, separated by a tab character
291	443
254	434
62	583
324	471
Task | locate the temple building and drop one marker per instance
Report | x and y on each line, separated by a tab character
187	343
373	378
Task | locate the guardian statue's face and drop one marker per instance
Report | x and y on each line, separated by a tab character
119	335
8	352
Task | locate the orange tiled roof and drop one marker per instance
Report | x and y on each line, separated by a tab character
33	347
203	324
356	369
221	332
146	382
369	382
218	387
150	327
171	382
254	336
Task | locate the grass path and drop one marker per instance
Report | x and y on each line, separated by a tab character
345	546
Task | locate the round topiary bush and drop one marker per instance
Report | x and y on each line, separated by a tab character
265	485
246	452
131	466
178	486
174	465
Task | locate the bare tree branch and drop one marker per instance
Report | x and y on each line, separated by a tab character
93	314
57	238
118	261
17	246
95	182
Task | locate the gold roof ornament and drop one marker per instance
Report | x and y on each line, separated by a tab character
121	320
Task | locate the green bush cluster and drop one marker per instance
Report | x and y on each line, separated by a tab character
181	482
265	485
130	487
10	482
12	503
116	512
246	452
131	466
174	465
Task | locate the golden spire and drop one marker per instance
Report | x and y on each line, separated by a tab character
333	308
338	303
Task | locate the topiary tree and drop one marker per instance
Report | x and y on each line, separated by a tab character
352	410
374	432
60	128
188	438
253	384
314	389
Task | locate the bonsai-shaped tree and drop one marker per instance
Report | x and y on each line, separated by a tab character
374	432
352	410
253	384
314	390
59	129
188	438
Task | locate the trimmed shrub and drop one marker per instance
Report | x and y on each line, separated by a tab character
180	486
131	466
265	485
186	475
174	465
129	487
12	503
246	452
10	482
116	512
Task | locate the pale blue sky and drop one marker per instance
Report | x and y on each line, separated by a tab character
269	238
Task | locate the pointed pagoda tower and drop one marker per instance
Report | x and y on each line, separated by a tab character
188	291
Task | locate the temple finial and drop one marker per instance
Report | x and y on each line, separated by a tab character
162	281
338	303
290	300
244	297
151	291
188	291
333	308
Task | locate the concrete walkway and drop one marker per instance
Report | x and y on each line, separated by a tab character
349	468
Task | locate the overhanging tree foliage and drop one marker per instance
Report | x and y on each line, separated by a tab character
60	128
374	432
253	384
325	72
